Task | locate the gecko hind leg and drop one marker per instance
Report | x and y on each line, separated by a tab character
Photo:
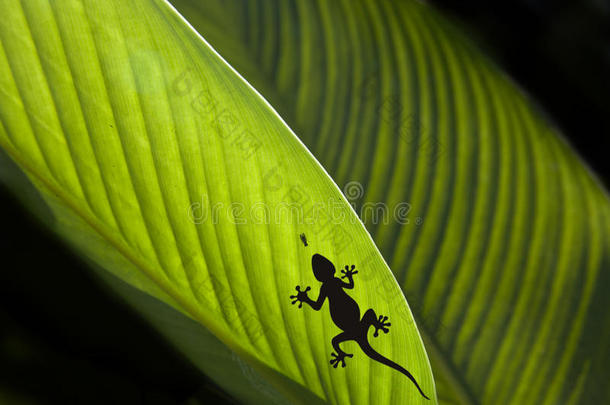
340	356
378	322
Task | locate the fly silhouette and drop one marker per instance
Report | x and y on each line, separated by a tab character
345	313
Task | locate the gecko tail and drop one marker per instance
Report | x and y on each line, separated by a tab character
369	351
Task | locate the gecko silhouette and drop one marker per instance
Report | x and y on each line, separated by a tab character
345	313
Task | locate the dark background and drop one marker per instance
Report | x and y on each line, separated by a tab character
83	346
559	51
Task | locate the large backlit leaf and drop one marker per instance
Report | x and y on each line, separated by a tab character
165	168
506	255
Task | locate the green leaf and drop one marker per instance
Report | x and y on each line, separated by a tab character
166	169
509	267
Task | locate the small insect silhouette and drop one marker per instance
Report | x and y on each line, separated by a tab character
303	239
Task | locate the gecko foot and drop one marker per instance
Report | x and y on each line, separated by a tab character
339	358
349	272
381	324
301	296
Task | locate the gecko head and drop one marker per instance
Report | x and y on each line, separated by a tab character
323	269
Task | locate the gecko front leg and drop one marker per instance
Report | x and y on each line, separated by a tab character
349	274
301	296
